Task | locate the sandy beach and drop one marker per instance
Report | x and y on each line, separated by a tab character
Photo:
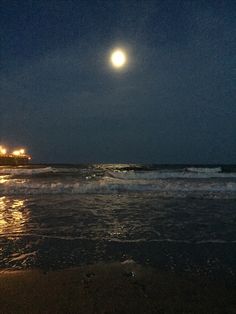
111	288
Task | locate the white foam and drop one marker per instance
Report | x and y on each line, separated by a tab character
128	262
20	257
25	171
180	188
153	175
204	170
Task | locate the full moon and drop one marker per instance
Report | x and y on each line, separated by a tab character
118	58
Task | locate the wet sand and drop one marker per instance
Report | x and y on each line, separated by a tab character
112	288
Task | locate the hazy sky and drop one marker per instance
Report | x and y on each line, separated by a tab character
174	103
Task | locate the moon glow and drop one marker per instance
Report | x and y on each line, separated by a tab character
118	58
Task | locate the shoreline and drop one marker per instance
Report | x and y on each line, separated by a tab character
111	288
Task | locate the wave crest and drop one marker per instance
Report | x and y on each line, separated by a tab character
154	175
114	185
204	170
25	171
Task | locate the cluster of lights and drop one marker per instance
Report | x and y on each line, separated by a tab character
19	152
16	153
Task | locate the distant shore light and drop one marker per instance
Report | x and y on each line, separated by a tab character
3	150
18	152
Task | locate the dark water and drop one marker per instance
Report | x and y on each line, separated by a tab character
180	219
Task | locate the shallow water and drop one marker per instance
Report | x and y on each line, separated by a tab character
180	219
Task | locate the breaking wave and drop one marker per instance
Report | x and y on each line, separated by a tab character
205	170
153	175
25	171
180	188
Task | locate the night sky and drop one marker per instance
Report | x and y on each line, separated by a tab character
174	102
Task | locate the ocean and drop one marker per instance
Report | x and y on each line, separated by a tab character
178	218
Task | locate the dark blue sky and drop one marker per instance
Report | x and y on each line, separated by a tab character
174	103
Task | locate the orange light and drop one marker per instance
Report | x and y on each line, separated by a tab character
15	153
3	150
18	152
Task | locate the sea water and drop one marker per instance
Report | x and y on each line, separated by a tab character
178	218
